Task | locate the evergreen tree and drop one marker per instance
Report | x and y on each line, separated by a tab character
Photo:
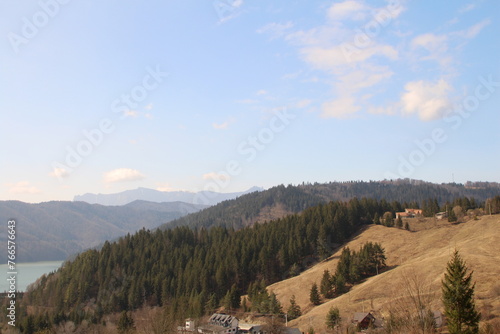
314	295
407	226
294	310
376	219
326	285
274	304
333	318
458	298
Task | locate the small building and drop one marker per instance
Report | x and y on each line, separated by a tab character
414	212
409	213
441	215
223	320
250	328
363	320
402	215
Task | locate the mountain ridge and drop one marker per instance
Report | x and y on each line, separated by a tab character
157	196
57	229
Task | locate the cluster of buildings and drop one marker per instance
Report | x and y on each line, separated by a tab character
220	323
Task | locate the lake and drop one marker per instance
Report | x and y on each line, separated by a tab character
27	273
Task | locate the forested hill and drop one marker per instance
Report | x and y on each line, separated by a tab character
191	272
194	271
279	201
52	231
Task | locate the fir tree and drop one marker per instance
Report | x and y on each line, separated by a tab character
332	318
294	310
326	285
314	295
458	298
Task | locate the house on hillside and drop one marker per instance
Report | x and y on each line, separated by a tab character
363	320
250	329
414	212
220	324
409	213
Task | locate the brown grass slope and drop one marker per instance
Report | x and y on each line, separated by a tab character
422	254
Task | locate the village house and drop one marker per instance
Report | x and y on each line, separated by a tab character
409	213
363	320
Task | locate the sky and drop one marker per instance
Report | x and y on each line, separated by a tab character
105	96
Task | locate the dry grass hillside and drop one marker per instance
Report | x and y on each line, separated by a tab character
419	256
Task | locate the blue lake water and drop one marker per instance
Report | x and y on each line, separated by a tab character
27	273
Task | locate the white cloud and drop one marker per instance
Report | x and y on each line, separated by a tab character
149	107
341	108
122	175
216	176
431	42
350	9
474	30
59	172
261	92
426	99
23	187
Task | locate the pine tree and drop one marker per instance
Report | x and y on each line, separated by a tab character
458	298
333	318
314	295
326	285
294	310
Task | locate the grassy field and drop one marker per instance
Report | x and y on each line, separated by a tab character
417	259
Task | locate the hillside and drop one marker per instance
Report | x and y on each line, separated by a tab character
55	230
281	200
421	254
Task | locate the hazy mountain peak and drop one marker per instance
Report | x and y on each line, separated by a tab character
152	195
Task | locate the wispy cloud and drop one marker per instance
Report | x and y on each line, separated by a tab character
353	55
348	10
215	176
23	187
123	175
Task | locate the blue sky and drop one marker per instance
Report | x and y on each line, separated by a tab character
227	94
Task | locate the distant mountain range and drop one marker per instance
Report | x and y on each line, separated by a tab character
152	195
56	230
